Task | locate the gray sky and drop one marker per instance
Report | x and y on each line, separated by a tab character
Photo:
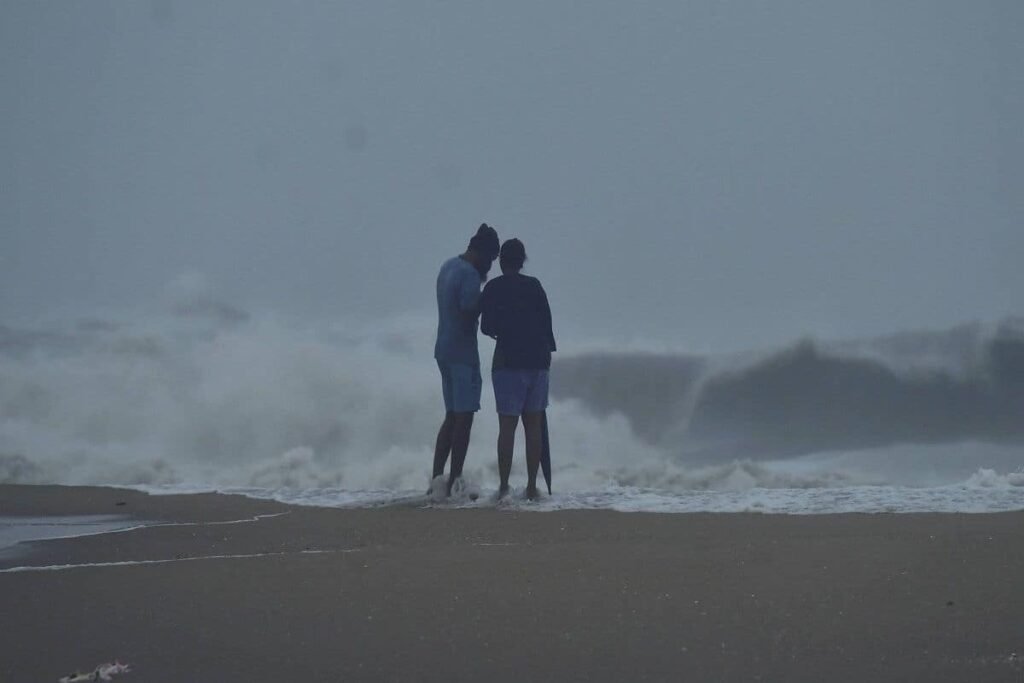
703	173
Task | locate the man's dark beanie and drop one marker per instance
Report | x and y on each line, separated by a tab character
485	242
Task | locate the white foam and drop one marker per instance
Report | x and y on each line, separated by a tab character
983	492
990	479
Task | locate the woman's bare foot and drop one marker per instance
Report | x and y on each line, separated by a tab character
532	493
503	491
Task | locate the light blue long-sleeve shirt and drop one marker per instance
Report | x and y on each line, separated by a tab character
458	301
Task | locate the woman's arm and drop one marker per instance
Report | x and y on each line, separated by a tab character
546	316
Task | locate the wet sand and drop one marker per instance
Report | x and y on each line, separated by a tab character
243	590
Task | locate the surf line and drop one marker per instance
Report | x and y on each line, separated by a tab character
131	563
248	520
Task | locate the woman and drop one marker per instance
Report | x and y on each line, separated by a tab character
514	310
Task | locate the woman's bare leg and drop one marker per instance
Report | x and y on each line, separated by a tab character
506	445
533	425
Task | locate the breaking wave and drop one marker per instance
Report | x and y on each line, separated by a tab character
967	384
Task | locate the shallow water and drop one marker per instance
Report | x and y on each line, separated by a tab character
15	530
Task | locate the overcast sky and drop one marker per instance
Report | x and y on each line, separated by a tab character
709	172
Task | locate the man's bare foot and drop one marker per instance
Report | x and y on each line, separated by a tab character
503	491
438	490
532	493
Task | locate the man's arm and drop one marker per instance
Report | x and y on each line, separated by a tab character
487	318
469	293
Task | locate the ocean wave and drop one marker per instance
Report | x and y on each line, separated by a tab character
813	397
256	403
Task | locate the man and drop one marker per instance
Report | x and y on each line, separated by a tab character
515	311
458	298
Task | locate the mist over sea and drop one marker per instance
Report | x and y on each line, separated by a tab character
203	395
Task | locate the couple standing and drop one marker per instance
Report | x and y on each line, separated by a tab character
513	309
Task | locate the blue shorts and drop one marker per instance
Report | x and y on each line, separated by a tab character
461	384
520	391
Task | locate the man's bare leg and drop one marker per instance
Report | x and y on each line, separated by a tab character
462	424
444	444
533	425
506	445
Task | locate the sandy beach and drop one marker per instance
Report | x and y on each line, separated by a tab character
232	589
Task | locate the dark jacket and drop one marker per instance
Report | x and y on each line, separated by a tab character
514	310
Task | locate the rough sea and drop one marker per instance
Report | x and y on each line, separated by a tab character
205	396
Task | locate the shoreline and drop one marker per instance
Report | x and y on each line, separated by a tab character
229	588
986	492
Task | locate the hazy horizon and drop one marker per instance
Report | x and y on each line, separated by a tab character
711	173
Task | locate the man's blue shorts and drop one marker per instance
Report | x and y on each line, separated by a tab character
461	384
520	391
